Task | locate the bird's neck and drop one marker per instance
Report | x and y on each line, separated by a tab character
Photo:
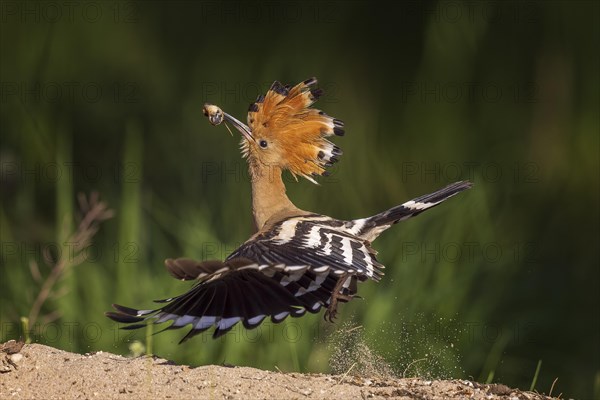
268	194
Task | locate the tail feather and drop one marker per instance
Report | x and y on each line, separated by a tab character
370	228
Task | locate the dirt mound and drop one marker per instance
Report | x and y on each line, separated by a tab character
38	371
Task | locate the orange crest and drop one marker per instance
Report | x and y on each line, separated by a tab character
290	134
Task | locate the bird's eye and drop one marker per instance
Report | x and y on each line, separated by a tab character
263	144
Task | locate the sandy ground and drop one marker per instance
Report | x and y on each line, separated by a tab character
41	372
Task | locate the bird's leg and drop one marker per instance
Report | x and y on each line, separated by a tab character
336	295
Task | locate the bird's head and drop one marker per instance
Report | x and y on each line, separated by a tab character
283	130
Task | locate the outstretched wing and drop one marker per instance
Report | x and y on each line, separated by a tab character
313	240
237	290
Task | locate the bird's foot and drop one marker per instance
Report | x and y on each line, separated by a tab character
337	295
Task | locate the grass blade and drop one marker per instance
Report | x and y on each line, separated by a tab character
535	377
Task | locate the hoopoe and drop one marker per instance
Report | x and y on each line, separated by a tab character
298	261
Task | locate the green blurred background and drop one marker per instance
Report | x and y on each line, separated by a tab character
107	97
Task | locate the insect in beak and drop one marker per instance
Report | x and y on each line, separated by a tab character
216	116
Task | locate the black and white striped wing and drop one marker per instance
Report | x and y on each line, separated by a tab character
238	290
313	240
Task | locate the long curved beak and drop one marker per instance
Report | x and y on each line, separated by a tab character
243	128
